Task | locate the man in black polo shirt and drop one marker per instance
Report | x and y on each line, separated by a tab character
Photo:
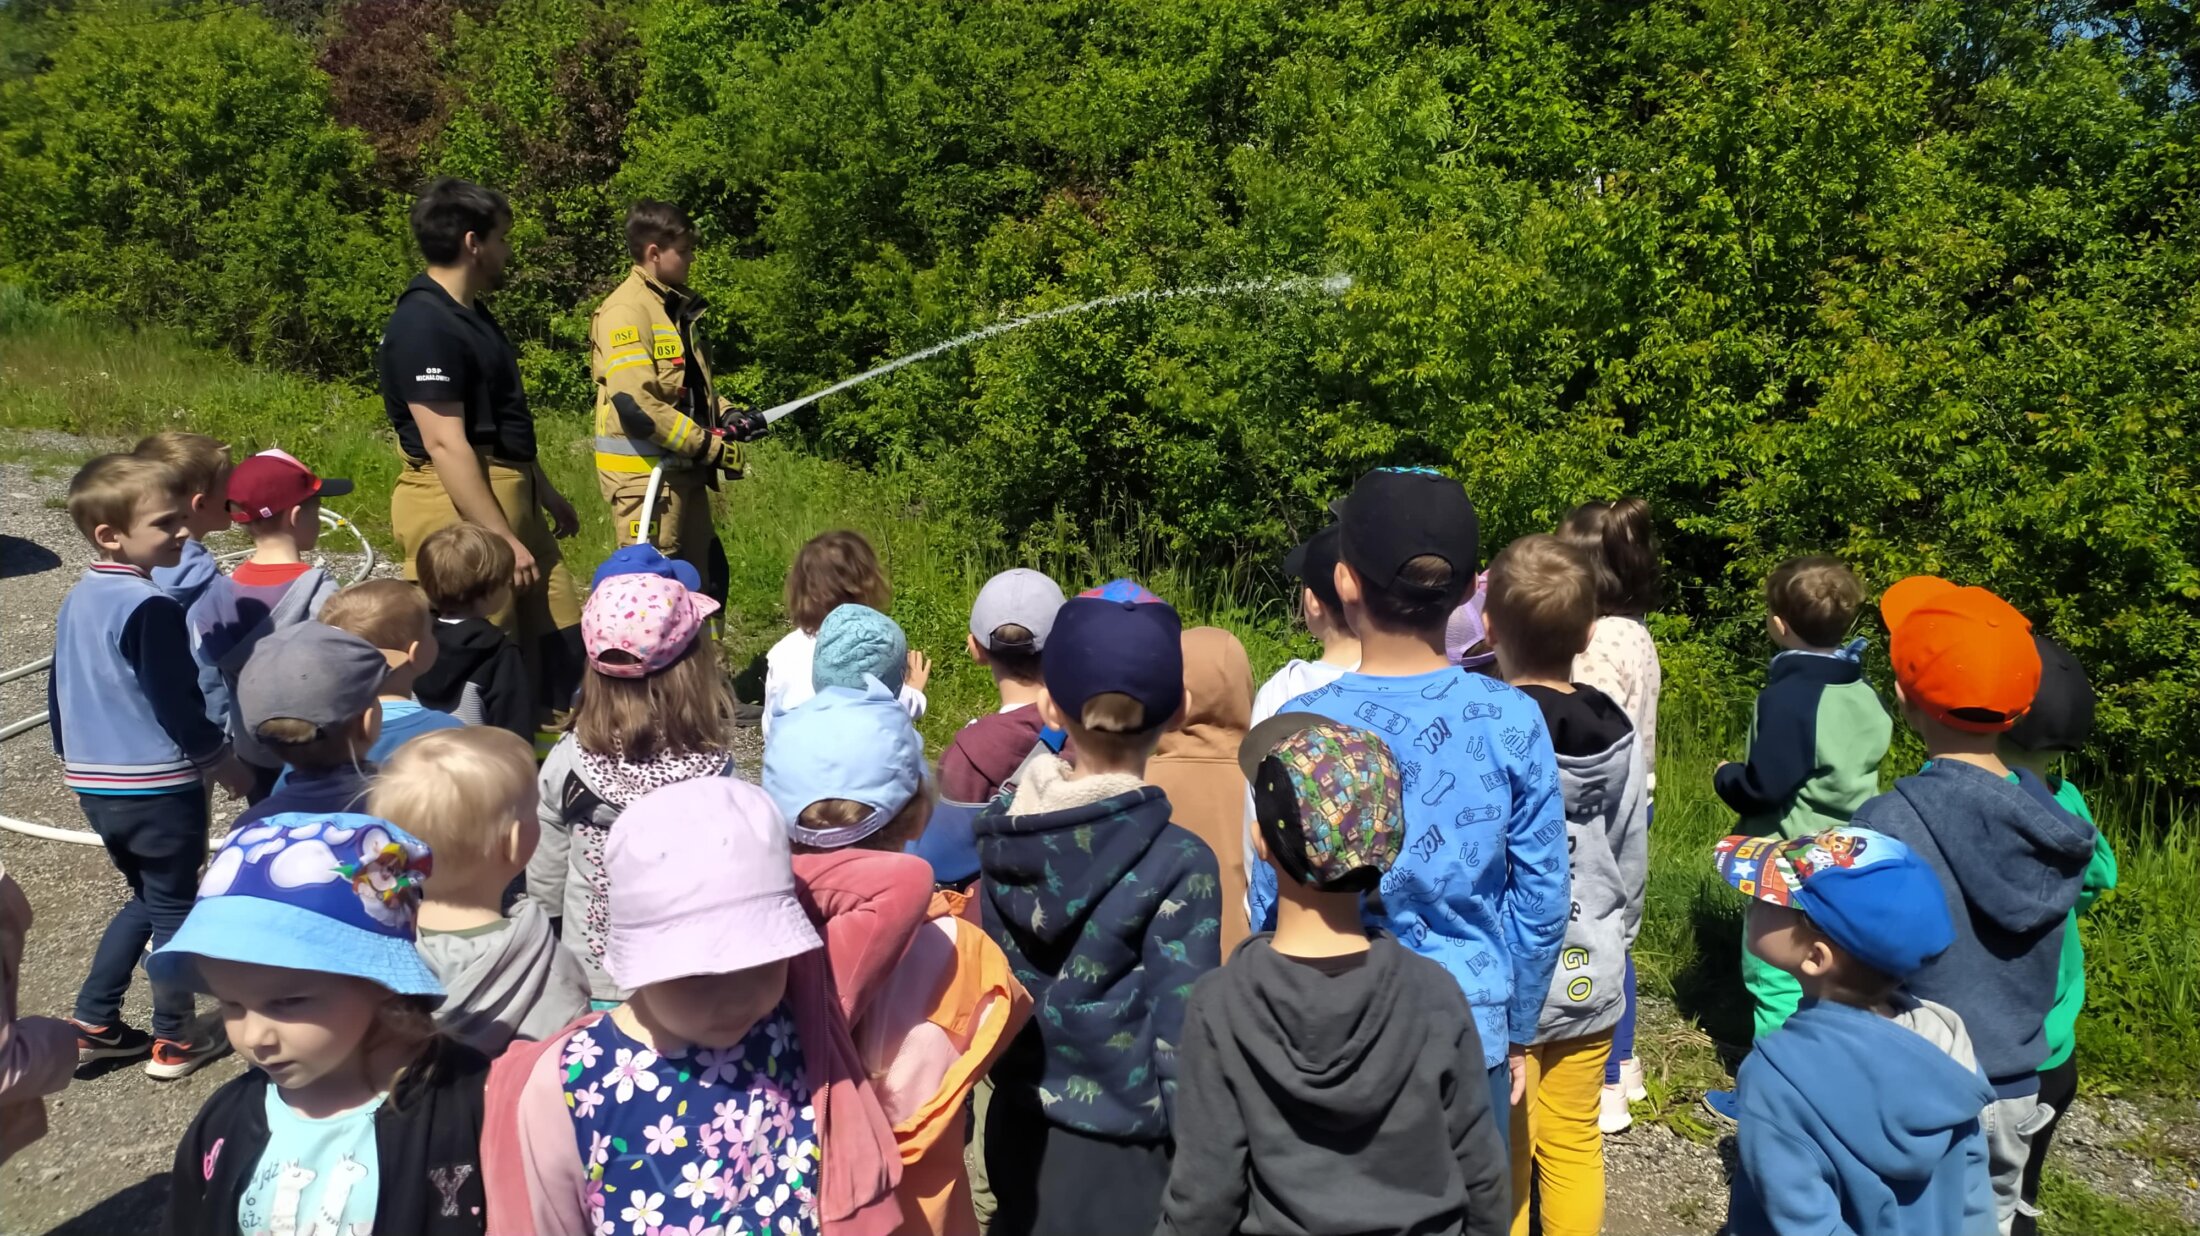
451	386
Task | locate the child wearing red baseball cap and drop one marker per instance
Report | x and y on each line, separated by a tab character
2009	858
278	500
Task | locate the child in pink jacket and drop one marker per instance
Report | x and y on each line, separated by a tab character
725	1094
37	1054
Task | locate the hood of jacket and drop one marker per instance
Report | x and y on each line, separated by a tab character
2011	849
236	618
865	904
1335	1044
1595	744
1899	1118
1046	898
462	648
1218	699
493	981
187	580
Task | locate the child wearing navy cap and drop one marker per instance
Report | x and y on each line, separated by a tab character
1108	913
1861	1113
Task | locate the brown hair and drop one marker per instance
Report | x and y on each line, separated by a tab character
387	613
906	826
463	565
201	461
682	709
656	223
1019	661
409	1022
458	790
1543	601
109	489
1113	728
1623	550
303	744
834	569
1816	596
1436	591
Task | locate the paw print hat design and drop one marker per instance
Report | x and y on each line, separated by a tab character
336	893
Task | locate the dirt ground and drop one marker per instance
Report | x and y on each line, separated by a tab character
102	1167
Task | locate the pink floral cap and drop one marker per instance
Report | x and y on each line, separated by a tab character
649	618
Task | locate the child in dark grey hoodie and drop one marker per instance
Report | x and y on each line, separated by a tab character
1542	602
2009	858
1331	1079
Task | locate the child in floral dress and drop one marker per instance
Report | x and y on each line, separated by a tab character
724	1095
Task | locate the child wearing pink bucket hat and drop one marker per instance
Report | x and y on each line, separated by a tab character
725	1093
653	711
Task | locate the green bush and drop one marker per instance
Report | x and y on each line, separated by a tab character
1913	282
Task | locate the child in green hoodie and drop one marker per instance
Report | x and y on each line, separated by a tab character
2060	722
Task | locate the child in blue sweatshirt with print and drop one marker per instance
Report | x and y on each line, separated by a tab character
1861	1113
1108	914
136	745
1482	887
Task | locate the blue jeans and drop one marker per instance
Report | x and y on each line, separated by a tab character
157	842
1501	1104
1623	1034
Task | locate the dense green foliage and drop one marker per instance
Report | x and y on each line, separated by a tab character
1912	282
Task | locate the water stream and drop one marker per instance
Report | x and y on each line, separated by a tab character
1327	285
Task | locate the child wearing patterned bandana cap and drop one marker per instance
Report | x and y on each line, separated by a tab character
357	1114
1332	1079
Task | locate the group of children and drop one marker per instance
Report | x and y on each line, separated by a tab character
630	991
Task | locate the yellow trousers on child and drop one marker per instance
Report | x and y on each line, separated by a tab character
1556	1148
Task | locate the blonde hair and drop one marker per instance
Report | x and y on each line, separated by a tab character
1113	728
831	570
201	461
1543	598
906	826
387	613
457	790
462	565
1816	596
682	709
109	489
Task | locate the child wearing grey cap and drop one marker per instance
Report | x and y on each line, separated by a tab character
311	694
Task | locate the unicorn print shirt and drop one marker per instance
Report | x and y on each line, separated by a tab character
316	1177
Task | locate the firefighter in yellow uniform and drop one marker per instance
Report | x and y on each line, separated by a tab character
655	407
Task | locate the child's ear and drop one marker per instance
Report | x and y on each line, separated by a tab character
520	840
1050	712
1778	626
1349	592
107	537
1489	630
970	645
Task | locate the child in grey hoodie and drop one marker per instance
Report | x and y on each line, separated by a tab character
1331	1079
470	794
1541	603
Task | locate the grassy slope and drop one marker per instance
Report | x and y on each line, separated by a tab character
2143	1024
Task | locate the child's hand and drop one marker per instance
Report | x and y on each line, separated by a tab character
1516	1059
232	775
920	670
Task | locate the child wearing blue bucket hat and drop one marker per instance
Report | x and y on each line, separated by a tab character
357	1116
929	998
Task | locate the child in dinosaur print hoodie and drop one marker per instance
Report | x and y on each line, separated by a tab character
1108	914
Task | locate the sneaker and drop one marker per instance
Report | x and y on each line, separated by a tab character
115	1042
1630	1080
173	1059
1612	1113
1724	1104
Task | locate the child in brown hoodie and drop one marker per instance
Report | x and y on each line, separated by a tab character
1197	767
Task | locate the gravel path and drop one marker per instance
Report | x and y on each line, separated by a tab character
102	1167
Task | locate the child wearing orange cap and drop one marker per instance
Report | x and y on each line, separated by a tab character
2009	858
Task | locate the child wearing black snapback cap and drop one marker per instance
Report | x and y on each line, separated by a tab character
1482	885
1108	913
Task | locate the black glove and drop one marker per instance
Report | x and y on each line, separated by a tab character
746	425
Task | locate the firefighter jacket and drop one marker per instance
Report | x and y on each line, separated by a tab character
642	344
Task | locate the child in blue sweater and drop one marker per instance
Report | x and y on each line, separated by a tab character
1482	886
1861	1113
130	726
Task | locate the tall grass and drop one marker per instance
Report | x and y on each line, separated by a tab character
2142	1026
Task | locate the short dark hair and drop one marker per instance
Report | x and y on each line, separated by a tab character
1543	598
1623	550
1012	652
1816	596
448	209
1435	591
652	222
